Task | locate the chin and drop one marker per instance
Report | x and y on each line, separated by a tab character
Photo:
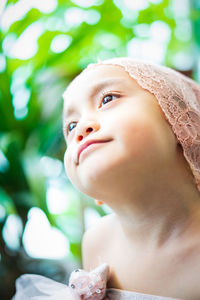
94	171
97	175
90	175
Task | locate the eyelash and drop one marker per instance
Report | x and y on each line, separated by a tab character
103	95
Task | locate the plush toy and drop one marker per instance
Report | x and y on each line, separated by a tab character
89	285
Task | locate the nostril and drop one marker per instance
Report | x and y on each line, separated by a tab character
89	129
80	137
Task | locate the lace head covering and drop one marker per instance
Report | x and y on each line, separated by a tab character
179	99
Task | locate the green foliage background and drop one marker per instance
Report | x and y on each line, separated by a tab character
23	184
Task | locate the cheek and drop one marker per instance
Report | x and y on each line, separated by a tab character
141	138
133	132
71	170
68	164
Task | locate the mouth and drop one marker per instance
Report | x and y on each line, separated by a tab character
89	146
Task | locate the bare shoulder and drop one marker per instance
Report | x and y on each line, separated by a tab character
95	240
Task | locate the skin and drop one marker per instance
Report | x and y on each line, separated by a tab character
141	173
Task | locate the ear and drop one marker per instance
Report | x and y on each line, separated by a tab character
98	202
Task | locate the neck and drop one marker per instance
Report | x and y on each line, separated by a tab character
159	219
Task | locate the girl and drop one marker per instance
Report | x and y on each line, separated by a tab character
133	141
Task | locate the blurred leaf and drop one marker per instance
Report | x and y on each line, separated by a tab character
19	26
7	202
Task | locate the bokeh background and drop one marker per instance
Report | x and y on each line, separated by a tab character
44	44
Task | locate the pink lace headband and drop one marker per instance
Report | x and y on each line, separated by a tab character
179	99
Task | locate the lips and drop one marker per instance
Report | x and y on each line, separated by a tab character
88	143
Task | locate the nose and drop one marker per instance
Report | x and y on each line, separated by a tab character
85	128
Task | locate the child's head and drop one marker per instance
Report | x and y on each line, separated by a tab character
142	113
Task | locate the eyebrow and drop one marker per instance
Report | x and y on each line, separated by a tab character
94	91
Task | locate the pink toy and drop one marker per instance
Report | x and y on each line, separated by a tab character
89	285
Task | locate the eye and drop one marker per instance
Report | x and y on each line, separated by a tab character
107	98
70	127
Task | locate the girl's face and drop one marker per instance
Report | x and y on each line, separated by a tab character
138	146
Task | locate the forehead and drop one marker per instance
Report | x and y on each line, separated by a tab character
92	76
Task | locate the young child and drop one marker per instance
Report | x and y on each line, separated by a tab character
132	130
144	123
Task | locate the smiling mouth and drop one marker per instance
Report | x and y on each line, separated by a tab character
89	147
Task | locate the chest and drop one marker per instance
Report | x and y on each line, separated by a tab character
169	275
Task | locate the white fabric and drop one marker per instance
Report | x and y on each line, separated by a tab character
36	287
